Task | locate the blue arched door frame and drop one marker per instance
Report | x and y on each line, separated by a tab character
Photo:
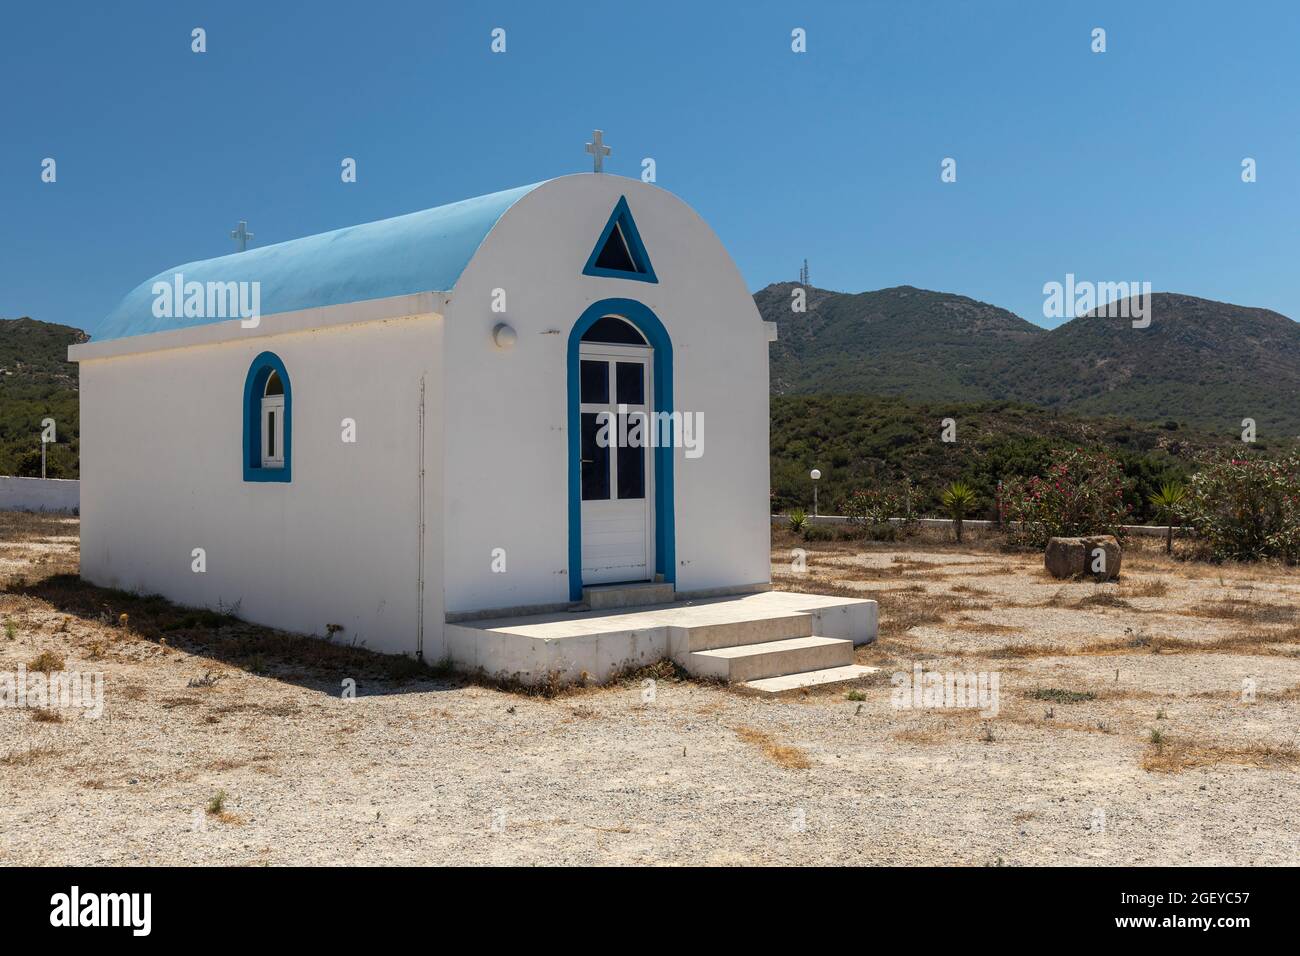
655	333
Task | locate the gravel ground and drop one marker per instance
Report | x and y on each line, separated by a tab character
440	770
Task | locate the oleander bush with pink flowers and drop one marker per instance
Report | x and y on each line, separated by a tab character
1246	509
1080	493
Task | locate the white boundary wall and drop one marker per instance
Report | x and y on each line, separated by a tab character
40	494
1146	530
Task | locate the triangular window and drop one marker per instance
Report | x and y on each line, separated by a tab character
615	255
619	253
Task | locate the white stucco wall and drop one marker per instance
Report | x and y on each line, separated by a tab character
506	465
39	494
161	458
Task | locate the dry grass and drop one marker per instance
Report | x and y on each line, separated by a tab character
36	528
1177	755
217	635
1101	598
907	610
226	763
901	565
1266	643
1059	695
926	734
1244	611
22	757
971	625
781	754
46	662
1154	587
43	715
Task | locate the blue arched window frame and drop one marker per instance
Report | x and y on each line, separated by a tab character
254	386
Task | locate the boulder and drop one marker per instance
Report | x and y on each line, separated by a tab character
1075	557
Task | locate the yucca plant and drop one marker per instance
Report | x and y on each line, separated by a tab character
798	519
1167	501
958	498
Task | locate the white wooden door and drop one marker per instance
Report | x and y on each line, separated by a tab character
617	466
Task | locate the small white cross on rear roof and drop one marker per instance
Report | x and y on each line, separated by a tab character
241	235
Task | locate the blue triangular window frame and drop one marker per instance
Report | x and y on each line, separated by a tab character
621	218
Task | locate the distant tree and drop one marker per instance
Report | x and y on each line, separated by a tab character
29	464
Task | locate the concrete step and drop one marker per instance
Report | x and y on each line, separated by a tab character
827	675
639	594
758	630
747	662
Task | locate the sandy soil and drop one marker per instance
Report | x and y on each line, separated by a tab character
427	769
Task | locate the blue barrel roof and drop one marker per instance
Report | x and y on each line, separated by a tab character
419	252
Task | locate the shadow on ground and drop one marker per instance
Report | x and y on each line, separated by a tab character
312	662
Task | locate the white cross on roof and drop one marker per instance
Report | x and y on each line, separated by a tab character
598	150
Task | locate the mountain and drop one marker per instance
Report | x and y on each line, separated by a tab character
1206	363
1201	363
926	346
36	382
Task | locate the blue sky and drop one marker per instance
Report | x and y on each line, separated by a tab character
1118	166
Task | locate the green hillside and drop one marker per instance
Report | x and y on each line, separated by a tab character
928	346
1202	364
1206	363
37	381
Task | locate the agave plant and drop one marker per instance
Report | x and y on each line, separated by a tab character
1168	501
958	498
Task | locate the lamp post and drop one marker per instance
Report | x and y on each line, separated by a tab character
815	474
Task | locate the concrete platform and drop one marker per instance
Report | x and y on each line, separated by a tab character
595	645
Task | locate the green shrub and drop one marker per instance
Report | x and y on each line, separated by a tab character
869	511
1246	509
1082	492
818	532
872	506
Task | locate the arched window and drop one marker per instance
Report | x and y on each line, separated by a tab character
268	420
273	423
612	328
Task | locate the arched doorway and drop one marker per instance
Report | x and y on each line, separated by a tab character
620	475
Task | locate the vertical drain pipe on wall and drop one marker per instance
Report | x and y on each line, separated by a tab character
419	611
